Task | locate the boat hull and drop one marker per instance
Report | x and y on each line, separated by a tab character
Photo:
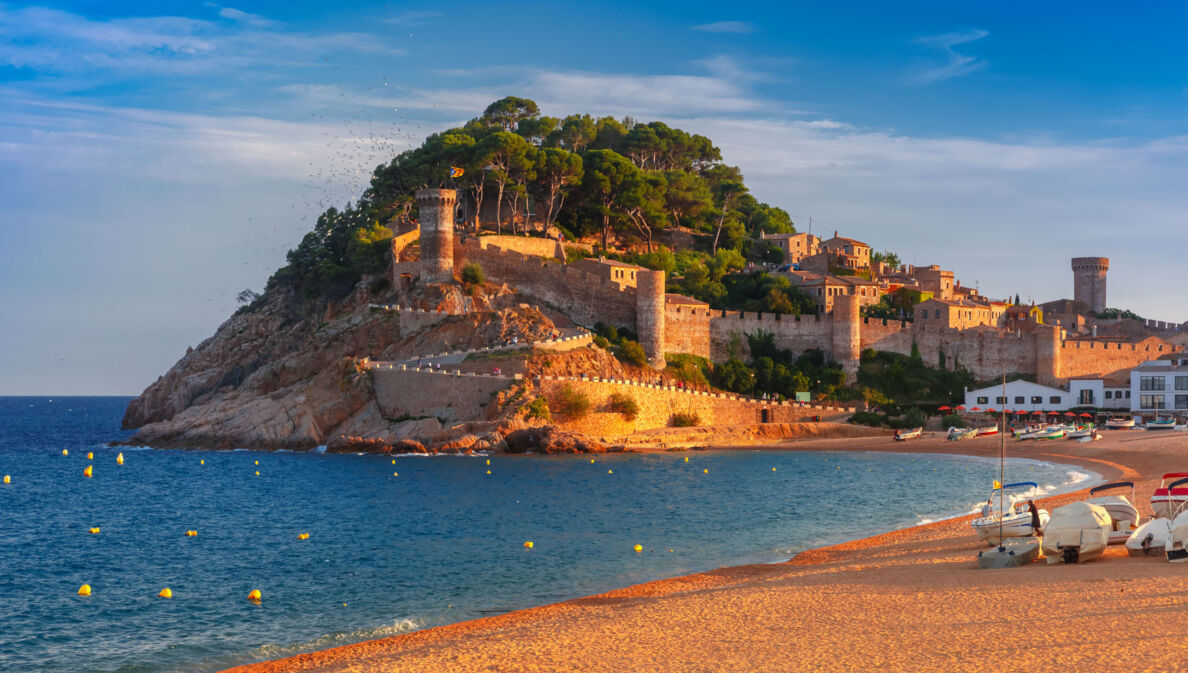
1124	516
1149	539
1077	532
1013	526
1012	553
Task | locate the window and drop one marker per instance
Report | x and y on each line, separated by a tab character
1086	397
1018	399
1109	394
1000	400
1055	399
1182	401
1127	394
1151	402
983	400
1182	383
1150	383
1037	399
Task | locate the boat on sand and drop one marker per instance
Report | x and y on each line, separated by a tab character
1077	532
1171	495
1017	519
1149	538
1119	423
910	433
1124	516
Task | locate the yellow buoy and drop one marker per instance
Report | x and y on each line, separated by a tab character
7	479
257	473
638	547
94	530
395	474
686	459
393	461
488	461
773	469
65	452
84	590
191	533
257	462
303	536
87	471
165	593
120	459
202	462
610	471
254	595
90	456
488	472
528	544
706	470
591	461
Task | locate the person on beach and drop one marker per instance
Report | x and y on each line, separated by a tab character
1035	520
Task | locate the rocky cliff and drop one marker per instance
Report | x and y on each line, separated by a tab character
286	374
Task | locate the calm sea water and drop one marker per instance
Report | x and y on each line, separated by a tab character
441	542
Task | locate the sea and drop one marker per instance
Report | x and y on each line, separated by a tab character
394	544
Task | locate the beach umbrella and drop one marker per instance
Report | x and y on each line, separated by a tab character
1086	415
1053	413
1069	413
960	407
976	409
1037	413
991	411
944	407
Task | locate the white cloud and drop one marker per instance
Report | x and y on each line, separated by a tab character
735	27
954	64
245	17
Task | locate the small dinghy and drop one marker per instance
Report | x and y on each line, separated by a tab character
992	529
988	430
1010	553
1120	423
912	433
1077	532
1149	539
1167	500
1124	516
1161	424
1050	433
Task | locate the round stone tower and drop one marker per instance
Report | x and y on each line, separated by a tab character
437	234
649	315
1089	281
847	334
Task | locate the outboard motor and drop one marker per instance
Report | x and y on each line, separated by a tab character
1070	554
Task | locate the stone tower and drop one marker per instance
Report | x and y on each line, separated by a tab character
649	315
437	234
847	334
1089	281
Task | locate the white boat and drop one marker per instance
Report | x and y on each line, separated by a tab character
1010	553
1171	495
1049	433
1119	423
988	430
1160	424
1017	522
1176	537
1149	538
1124	516
1081	433
912	433
1077	532
962	433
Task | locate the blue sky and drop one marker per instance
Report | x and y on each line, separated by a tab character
157	158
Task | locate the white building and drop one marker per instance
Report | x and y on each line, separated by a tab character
1027	396
1159	385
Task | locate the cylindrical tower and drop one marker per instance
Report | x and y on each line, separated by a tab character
649	315
847	334
1089	281
437	234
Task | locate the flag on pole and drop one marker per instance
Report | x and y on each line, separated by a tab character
997	484
456	172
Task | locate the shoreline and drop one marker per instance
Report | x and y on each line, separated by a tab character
637	625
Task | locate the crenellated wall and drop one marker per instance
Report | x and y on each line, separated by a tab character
527	245
687	329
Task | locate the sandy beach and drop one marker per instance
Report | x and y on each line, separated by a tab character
909	600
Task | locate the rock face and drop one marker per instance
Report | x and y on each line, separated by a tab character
286	374
549	440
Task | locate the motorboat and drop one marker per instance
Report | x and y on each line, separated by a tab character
988	430
1017	522
1171	495
1119	423
1077	532
962	433
1160	424
1149	538
1177	536
1124	516
911	433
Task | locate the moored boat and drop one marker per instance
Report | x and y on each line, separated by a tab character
962	433
993	528
1149	538
1160	424
1124	516
988	430
1171	495
1077	532
1050	433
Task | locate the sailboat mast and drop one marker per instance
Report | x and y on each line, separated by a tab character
1002	457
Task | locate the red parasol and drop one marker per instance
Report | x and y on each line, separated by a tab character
1053	413
944	407
993	411
1069	413
1086	415
976	409
960	406
1037	413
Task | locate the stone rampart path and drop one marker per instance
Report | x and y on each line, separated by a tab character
393	366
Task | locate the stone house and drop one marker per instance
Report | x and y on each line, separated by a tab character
794	246
824	288
957	314
620	273
847	252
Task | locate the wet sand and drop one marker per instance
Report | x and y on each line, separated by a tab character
909	600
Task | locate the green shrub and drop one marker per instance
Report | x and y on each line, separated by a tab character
913	418
538	409
868	418
952	421
472	274
633	353
623	404
684	420
601	342
571	402
687	367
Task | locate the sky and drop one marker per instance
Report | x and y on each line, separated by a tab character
158	158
